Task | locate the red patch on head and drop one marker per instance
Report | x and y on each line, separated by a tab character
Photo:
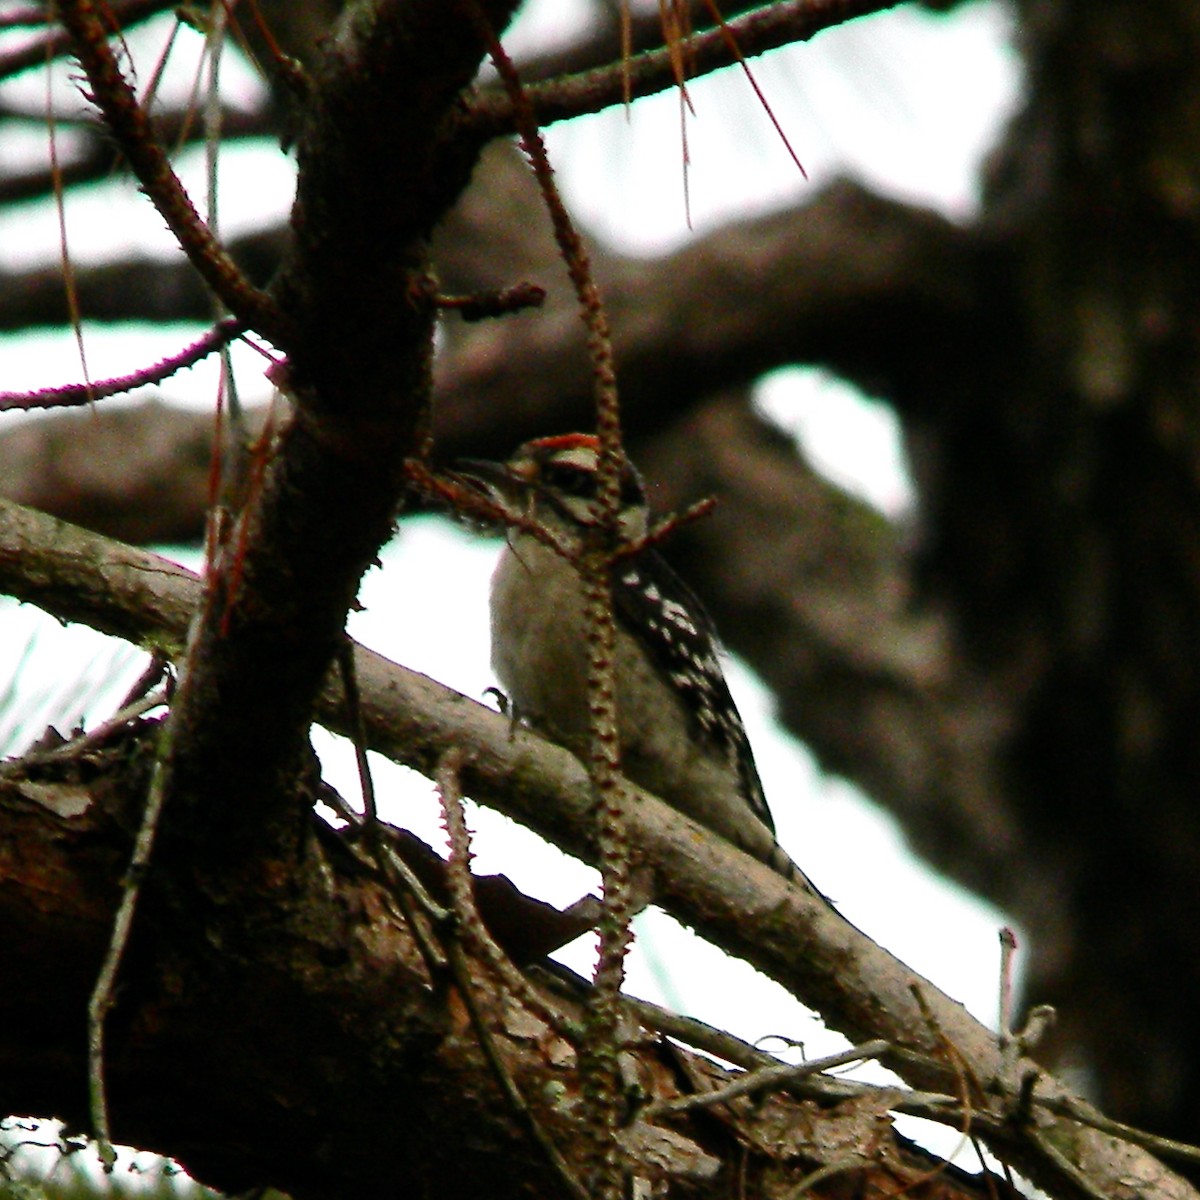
568	441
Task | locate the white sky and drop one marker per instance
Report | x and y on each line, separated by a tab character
906	101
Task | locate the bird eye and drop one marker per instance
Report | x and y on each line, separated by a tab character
571	480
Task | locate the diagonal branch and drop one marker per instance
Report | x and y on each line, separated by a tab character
317	1007
135	288
77	394
733	901
56	43
766	28
129	124
850	280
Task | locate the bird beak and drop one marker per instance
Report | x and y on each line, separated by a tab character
503	488
491	479
499	481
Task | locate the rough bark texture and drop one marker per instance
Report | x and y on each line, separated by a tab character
286	1029
267	921
1017	681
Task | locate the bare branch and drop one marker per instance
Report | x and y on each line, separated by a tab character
131	127
74	395
737	903
767	28
57	44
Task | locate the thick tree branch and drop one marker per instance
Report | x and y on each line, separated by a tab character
95	157
852	280
141	473
736	903
132	289
317	1008
356	292
815	589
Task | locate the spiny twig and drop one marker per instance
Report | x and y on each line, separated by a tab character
130	126
599	1066
101	998
73	395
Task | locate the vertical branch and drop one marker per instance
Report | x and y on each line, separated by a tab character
598	1056
354	714
68	268
101	999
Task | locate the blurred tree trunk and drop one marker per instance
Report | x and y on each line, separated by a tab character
1062	515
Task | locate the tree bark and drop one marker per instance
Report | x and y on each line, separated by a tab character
234	975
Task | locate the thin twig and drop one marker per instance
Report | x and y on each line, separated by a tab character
1165	1147
93	737
158	668
598	1059
458	865
354	716
735	49
73	395
129	124
828	1171
1079	1178
1008	950
70	291
289	70
701	1035
934	1106
665	528
466	500
483	305
764	1079
470	927
101	999
422	912
462	975
959	1064
418	906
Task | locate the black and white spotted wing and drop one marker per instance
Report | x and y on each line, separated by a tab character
653	604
